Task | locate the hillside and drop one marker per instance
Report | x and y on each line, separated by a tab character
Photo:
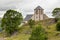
25	32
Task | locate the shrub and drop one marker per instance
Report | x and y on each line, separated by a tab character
31	23
38	34
56	19
58	26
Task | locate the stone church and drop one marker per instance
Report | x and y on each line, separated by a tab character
37	16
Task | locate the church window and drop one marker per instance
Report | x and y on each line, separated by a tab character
36	17
36	11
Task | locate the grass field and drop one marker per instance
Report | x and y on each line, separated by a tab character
24	34
51	33
21	35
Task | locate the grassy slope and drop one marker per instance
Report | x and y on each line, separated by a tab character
19	37
51	33
22	35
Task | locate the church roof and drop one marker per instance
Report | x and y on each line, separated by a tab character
45	16
38	7
28	17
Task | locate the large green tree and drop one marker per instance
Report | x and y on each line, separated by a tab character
38	34
10	21
56	13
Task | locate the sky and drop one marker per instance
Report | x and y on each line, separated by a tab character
28	6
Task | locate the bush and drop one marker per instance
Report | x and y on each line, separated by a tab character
57	19
38	34
58	26
31	23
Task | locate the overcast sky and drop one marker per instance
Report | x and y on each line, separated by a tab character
27	6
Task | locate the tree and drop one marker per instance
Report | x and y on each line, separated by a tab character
38	34
58	26
31	23
10	21
56	14
55	11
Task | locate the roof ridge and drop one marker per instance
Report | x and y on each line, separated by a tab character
38	7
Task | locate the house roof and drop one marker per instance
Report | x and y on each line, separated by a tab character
45	16
28	17
38	7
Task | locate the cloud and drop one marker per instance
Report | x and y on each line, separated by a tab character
28	6
8	4
6	8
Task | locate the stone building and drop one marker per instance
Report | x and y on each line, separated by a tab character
37	16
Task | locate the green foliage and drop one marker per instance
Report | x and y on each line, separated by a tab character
31	23
58	26
10	21
56	19
38	34
55	11
56	14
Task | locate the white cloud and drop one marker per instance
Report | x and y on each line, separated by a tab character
27	6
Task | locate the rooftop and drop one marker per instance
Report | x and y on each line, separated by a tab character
38	7
28	17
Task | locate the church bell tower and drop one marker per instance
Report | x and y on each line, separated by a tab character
38	13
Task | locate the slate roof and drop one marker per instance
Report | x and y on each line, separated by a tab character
45	16
38	7
28	17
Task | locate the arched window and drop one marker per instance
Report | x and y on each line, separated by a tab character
36	12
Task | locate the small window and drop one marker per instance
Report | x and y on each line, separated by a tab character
36	11
36	17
